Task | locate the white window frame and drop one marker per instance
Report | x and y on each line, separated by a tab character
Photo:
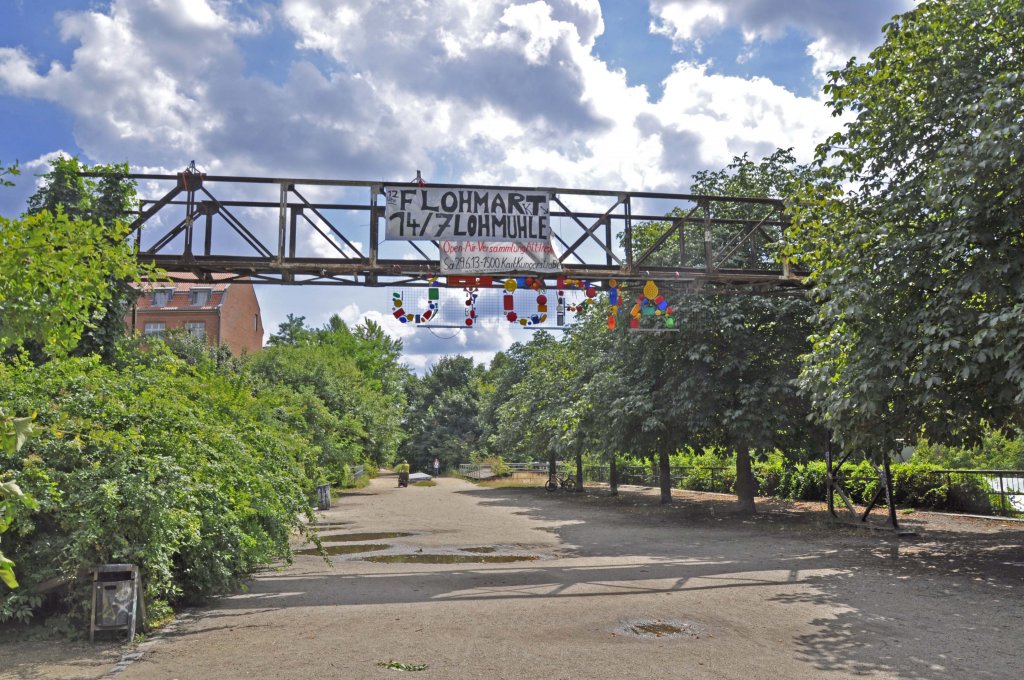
196	329
195	293
154	329
158	296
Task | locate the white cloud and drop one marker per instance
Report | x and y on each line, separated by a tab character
42	163
681	21
424	344
838	29
474	91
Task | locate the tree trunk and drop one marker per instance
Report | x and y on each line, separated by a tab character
579	473
664	478
552	468
613	476
744	480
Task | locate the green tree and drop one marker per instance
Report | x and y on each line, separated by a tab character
8	171
71	218
356	376
725	377
521	410
14	432
196	474
292	331
55	279
64	273
442	414
913	232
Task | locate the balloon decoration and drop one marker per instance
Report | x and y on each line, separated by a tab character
433	303
509	302
650	303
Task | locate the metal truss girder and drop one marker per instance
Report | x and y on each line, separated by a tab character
596	256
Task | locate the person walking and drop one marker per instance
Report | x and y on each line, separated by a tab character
437	466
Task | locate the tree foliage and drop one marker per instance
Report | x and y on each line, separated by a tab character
14	432
442	418
913	231
187	471
724	378
357	378
55	278
8	171
65	265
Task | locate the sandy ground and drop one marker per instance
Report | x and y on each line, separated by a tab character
620	588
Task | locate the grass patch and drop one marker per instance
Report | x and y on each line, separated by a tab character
360	481
425	482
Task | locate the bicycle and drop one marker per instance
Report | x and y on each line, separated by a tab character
555	482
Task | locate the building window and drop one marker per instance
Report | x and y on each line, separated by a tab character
161	296
154	329
199	296
196	328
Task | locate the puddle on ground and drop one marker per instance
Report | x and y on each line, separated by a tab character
657	629
650	629
374	536
427	558
483	549
345	549
328	525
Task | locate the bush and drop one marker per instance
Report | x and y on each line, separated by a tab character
192	476
768	474
498	466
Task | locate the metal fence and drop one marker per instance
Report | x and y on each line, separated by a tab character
1004	489
692	477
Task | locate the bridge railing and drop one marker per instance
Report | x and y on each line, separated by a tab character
471	469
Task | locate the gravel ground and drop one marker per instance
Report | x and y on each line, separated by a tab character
600	587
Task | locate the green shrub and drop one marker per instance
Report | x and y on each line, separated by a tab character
192	476
498	466
768	474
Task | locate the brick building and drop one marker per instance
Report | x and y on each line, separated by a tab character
220	311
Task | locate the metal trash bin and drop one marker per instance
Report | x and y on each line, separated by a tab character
116	599
323	497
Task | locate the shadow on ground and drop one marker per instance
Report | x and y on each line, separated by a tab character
962	585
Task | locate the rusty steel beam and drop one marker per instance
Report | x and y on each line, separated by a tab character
272	233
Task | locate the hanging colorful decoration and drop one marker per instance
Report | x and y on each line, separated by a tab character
509	302
433	304
471	295
470	281
613	304
650	303
564	305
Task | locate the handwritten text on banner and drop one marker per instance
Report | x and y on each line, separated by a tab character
466	214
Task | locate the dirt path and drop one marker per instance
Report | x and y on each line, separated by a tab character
618	588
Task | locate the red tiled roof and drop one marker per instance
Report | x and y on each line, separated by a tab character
180	296
186	281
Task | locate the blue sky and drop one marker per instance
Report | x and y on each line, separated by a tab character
617	94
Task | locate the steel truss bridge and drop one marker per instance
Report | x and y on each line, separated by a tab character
330	232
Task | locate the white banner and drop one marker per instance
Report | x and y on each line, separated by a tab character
486	257
466	214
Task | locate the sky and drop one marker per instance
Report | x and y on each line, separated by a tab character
586	94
